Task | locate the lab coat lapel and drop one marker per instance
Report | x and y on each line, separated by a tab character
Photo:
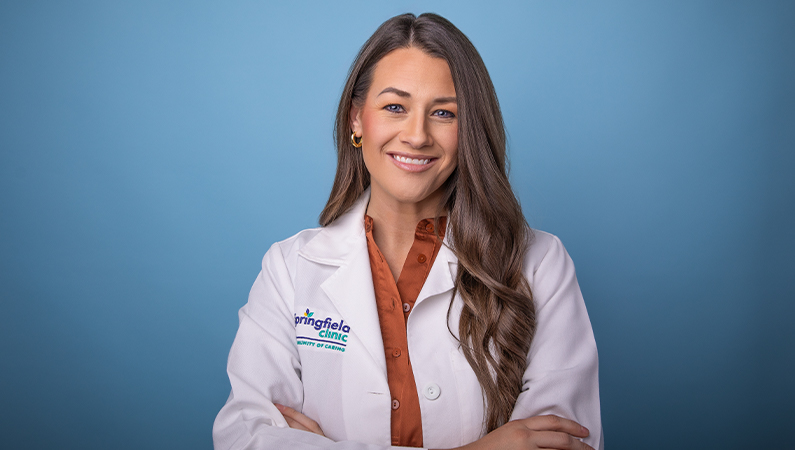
344	244
351	291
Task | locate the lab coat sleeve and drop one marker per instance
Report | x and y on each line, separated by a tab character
264	368
562	375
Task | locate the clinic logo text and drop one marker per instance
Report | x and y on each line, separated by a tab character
321	333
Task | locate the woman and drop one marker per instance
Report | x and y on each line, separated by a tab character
424	311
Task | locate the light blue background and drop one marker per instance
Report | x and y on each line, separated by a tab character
150	153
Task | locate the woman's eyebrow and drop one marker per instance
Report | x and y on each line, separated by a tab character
444	100
405	94
395	91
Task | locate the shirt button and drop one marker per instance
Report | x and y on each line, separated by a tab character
421	259
396	352
429	228
395	404
406	307
431	391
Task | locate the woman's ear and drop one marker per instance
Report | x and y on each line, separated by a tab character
356	120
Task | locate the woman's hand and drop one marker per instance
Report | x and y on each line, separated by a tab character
299	421
547	432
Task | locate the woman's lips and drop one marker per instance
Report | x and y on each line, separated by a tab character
412	164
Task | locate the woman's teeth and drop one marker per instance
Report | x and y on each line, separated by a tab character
418	162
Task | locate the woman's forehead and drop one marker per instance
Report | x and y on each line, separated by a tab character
412	71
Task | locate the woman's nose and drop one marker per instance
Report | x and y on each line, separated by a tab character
415	133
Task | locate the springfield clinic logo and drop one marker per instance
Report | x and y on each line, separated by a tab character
321	333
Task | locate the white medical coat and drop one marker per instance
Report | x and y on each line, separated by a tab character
336	374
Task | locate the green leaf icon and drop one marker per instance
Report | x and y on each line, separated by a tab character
311	314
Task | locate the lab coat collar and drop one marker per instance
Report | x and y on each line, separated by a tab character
336	242
442	275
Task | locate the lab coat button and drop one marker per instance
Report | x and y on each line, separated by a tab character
432	391
429	228
396	352
406	307
395	404
421	259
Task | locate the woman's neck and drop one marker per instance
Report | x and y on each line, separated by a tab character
394	224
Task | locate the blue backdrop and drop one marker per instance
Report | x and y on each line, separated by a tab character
150	153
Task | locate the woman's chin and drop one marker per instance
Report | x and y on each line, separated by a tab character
410	196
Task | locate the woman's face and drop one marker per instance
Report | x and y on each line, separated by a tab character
409	129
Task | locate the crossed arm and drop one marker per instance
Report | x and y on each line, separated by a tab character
539	432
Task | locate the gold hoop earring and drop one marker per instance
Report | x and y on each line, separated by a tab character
353	141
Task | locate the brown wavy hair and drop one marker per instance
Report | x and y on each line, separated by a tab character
487	231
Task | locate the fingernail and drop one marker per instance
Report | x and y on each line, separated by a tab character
585	430
278	406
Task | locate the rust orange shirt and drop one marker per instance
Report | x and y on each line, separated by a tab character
394	302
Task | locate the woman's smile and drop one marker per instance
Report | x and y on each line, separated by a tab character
410	163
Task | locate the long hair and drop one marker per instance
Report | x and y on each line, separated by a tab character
487	231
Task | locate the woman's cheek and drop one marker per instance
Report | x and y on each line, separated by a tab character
370	120
452	137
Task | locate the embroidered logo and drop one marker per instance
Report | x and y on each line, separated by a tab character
321	333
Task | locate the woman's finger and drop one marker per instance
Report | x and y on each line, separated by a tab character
305	422
555	423
290	416
558	440
294	425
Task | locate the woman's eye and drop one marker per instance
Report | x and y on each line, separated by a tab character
393	108
443	113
